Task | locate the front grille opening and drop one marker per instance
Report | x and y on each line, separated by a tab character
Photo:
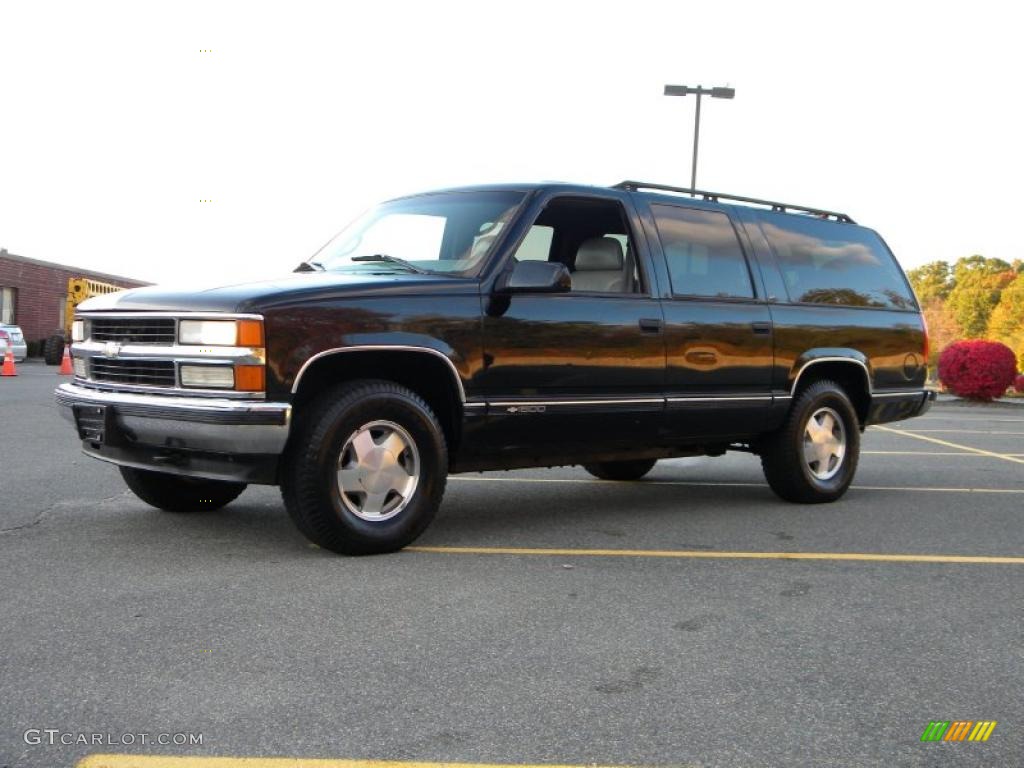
152	373
152	330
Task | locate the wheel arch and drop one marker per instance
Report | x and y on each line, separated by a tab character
428	372
849	368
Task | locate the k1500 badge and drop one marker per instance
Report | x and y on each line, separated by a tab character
526	409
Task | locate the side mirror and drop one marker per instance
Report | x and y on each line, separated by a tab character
538	277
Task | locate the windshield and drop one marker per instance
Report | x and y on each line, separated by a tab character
450	232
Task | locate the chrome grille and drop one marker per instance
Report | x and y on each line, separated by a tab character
153	373
147	330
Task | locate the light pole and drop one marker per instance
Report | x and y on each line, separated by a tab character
715	93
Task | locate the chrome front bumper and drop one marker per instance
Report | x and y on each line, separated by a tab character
205	437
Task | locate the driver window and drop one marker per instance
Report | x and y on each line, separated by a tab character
592	238
536	246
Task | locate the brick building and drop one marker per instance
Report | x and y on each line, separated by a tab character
33	292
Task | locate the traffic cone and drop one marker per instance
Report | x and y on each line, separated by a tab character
66	369
8	367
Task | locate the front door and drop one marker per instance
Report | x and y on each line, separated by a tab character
570	373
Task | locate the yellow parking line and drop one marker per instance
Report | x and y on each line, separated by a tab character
947	444
1000	432
172	761
916	453
709	484
969	418
705	554
928	453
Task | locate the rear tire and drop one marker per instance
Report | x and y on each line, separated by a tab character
621	470
366	468
813	457
177	493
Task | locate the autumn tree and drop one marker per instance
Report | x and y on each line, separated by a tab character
1006	323
943	330
972	265
978	283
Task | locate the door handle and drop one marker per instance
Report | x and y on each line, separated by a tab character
650	324
762	328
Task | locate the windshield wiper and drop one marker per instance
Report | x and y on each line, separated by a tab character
391	260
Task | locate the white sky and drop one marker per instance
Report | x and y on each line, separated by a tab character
113	125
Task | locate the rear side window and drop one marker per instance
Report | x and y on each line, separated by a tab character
703	253
826	262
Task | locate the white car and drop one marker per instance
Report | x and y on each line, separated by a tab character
11	335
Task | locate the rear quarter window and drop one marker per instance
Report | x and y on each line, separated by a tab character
828	262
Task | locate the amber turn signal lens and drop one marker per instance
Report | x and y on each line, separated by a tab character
250	378
250	333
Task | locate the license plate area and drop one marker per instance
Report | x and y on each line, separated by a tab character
93	422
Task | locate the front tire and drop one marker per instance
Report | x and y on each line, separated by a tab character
621	470
177	493
813	457
366	468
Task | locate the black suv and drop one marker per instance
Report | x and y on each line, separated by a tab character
502	327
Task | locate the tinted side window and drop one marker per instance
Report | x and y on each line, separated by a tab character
827	262
703	253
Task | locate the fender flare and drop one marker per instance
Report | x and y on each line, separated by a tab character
459	387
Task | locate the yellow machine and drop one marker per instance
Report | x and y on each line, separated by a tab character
79	289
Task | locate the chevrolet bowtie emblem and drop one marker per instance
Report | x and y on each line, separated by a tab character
111	349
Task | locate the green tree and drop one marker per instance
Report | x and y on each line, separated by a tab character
931	281
1006	323
979	281
974	265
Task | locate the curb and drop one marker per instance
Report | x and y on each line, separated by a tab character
952	401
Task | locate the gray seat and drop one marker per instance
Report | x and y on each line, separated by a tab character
599	266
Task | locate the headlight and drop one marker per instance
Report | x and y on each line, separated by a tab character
78	330
208	376
221	333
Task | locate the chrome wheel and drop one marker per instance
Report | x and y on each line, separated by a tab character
824	443
378	471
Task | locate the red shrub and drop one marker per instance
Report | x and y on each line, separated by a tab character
978	370
1018	383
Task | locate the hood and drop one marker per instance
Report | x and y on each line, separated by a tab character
257	296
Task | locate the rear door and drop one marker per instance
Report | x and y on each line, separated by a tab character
718	327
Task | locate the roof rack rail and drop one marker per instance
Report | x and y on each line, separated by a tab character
714	197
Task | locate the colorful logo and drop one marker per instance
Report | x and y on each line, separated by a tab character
958	730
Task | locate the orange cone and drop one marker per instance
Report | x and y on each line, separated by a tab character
8	367
66	369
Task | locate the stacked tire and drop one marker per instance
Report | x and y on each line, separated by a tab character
53	349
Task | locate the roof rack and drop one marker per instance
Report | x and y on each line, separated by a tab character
714	197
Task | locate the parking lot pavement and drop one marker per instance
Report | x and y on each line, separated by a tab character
683	636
